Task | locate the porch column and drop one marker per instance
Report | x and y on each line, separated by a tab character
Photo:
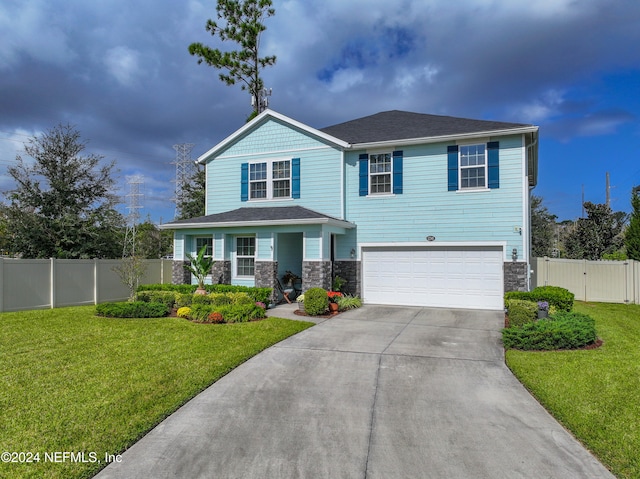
316	274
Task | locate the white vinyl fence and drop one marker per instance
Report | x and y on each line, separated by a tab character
51	283
600	281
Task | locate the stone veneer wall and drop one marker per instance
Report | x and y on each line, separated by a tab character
349	270
221	272
316	274
266	273
515	276
179	273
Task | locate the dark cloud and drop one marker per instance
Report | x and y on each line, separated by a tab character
120	70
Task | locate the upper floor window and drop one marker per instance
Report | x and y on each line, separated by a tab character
271	179
380	173
473	166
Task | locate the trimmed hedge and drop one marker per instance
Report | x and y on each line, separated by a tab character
261	295
563	330
135	309
560	298
316	301
521	312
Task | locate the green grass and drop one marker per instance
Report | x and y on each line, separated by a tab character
594	393
70	381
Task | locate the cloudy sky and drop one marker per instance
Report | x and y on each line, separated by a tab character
120	71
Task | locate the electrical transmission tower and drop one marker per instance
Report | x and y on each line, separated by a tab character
185	170
133	200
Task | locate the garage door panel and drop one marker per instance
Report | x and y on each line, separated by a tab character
468	277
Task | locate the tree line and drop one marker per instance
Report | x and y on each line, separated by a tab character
602	234
63	205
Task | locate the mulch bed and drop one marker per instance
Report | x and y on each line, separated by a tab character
299	312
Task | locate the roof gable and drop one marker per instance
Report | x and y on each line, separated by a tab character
262	119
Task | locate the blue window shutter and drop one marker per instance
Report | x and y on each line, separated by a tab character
295	178
452	167
364	174
493	162
397	172
244	182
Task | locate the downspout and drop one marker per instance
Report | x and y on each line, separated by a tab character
527	237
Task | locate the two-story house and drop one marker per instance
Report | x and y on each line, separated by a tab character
409	208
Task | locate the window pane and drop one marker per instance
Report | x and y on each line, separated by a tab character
380	163
208	242
257	171
381	184
281	189
281	169
472	155
246	267
259	189
472	178
246	246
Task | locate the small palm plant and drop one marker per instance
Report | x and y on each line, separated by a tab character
200	266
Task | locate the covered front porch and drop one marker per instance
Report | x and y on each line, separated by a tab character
257	246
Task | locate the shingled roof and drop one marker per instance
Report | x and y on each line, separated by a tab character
404	125
269	215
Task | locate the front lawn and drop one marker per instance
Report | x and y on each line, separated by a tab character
71	382
594	393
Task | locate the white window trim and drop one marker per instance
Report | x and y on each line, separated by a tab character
479	141
236	256
270	180
370	175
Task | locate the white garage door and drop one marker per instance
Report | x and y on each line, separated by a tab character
451	277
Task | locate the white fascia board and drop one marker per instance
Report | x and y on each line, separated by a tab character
236	224
435	244
271	114
445	138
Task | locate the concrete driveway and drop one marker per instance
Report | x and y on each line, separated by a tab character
378	392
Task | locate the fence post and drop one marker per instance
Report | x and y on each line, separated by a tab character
95	281
52	283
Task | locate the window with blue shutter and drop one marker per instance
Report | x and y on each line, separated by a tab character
295	178
244	182
364	174
397	172
493	162
452	167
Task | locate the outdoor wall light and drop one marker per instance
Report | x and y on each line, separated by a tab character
353	252
514	254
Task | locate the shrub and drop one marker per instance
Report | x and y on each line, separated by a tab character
349	302
215	317
564	330
202	299
560	298
316	301
521	312
241	313
240	297
184	312
200	312
219	299
135	309
183	299
168	298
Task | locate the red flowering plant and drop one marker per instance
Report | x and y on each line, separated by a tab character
333	296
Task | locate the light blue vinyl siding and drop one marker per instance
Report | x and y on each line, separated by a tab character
427	208
264	246
320	170
312	242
